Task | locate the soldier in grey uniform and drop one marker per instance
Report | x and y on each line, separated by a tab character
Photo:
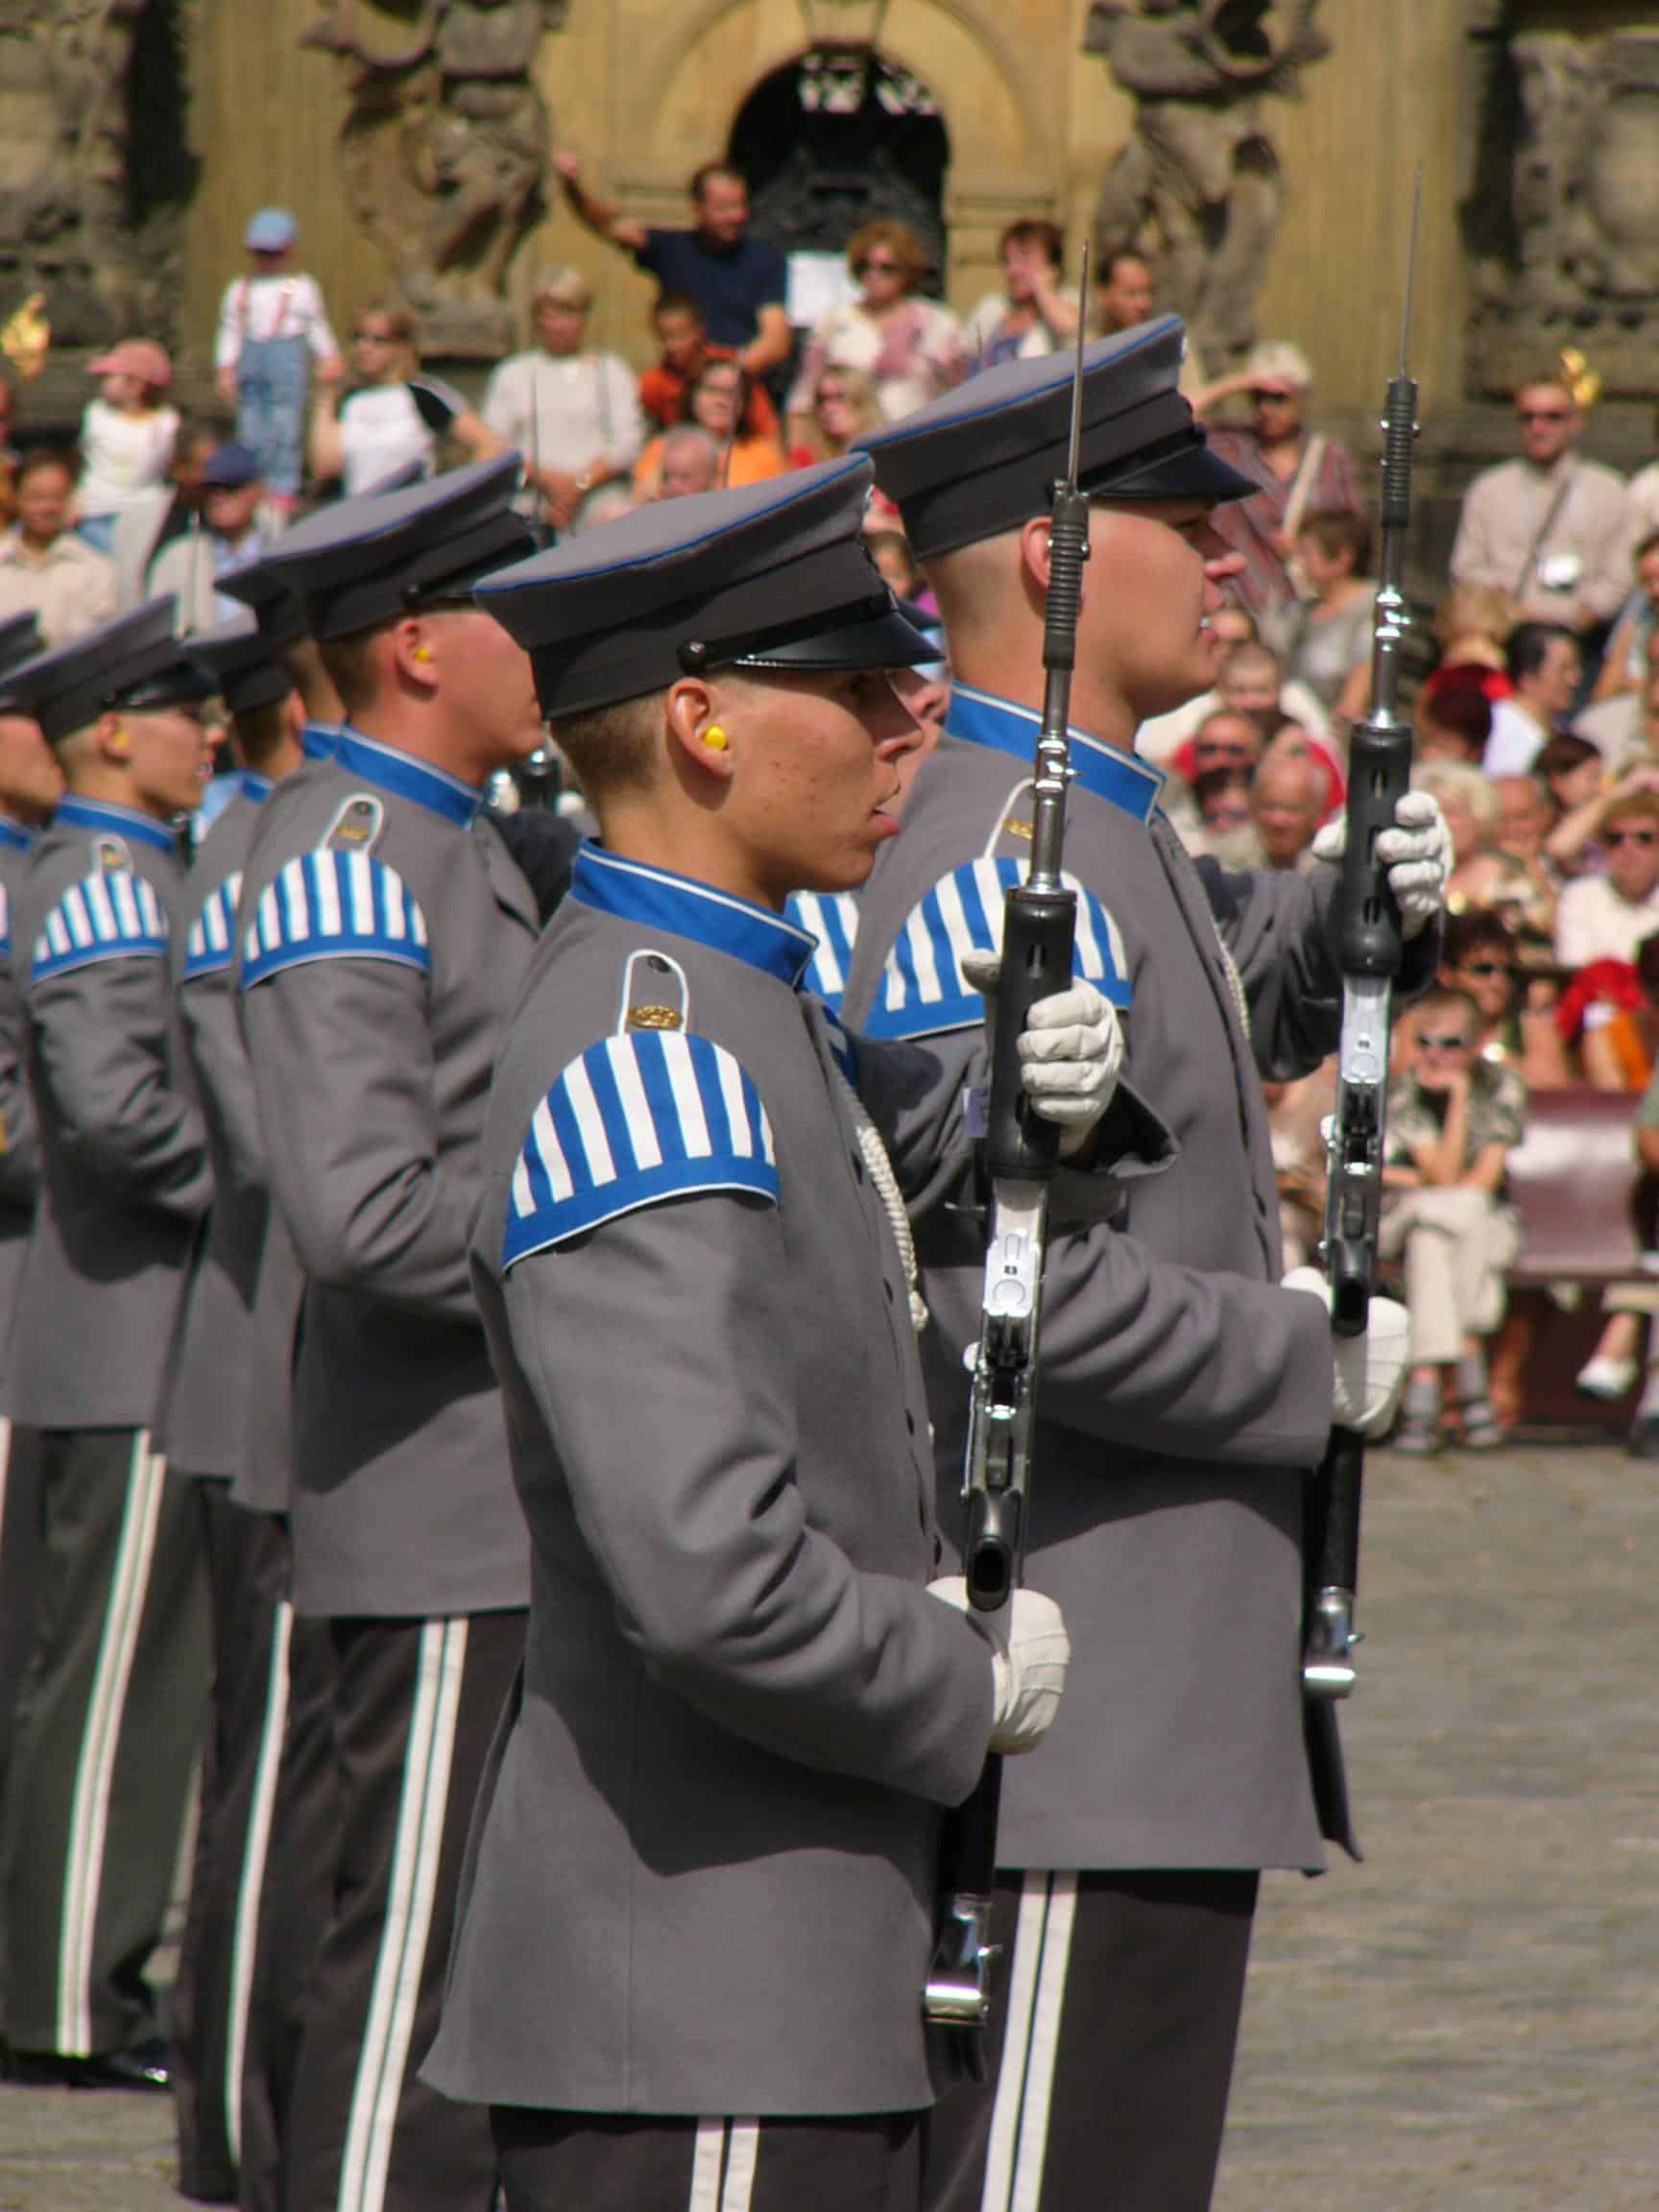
699	1886
384	931
204	1431
110	1716
30	786
1185	1395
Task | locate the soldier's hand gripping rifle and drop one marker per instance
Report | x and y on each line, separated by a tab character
1038	928
1370	943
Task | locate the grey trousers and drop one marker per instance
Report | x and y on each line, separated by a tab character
107	1733
556	2161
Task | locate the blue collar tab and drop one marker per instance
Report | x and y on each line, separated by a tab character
661	900
1122	779
407	778
256	790
120	821
320	740
14	836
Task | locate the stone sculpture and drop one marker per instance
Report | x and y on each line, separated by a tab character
444	150
1198	186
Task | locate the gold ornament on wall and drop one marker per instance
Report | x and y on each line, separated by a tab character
1580	378
26	337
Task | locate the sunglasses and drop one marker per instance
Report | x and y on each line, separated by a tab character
375	338
871	267
1430	1042
1612	839
1486	968
1543	415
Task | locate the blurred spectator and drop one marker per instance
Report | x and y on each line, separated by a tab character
1472	625
573	415
167	511
909	348
1235	625
1643	494
7	459
1574	775
603	506
740	281
1513	875
1300	473
1296	1117
1545	670
1470	808
843	408
1513	992
44	567
1221	802
1605	917
1325	641
1249	682
394	420
1036	311
232	490
685	350
1287	801
1627	724
1627	658
1227	738
1453	724
895	563
715	404
127	436
688	462
272	326
1452	1121
1126	295
1553	529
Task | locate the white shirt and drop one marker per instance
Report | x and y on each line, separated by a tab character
124	455
259	308
564	410
1593	922
1516	740
383	431
1163	738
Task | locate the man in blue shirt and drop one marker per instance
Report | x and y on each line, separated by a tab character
742	282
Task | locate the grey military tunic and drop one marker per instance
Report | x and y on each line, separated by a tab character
385	932
21	1157
204	1424
1185	1396
126	1179
702	1871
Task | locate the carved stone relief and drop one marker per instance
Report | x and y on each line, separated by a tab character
1198	186
1582	263
444	150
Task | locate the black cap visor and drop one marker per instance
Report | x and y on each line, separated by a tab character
1188	470
881	639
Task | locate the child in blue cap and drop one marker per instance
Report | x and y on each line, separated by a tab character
271	324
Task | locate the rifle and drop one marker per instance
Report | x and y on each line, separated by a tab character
1038	927
1369	939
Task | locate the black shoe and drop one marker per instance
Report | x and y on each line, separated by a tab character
145	2066
1643	1443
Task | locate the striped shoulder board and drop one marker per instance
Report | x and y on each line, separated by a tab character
334	905
832	917
639	1118
923	989
211	945
112	914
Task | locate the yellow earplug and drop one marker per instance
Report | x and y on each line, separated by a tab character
421	653
714	738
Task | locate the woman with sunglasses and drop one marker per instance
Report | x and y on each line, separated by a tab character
1452	1121
909	348
391	424
716	400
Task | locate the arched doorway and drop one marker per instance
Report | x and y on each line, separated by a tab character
837	136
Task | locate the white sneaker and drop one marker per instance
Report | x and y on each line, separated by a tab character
1607	1378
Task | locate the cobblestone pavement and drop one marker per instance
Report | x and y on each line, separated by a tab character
1470	2019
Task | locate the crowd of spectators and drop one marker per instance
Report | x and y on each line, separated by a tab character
1537	730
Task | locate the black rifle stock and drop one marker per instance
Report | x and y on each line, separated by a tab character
1039	930
1370	950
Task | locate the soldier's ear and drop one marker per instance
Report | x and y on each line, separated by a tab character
412	651
113	741
699	734
1034	554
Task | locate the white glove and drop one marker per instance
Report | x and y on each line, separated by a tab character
1370	1369
1417	853
1029	1653
1071	1052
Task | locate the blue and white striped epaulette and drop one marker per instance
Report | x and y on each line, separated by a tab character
5	923
832	917
333	905
639	1118
923	989
109	915
211	945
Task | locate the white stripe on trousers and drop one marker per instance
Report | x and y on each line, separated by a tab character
419	1842
245	1937
722	2167
100	1744
1025	2081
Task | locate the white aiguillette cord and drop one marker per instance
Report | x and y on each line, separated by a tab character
881	1172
